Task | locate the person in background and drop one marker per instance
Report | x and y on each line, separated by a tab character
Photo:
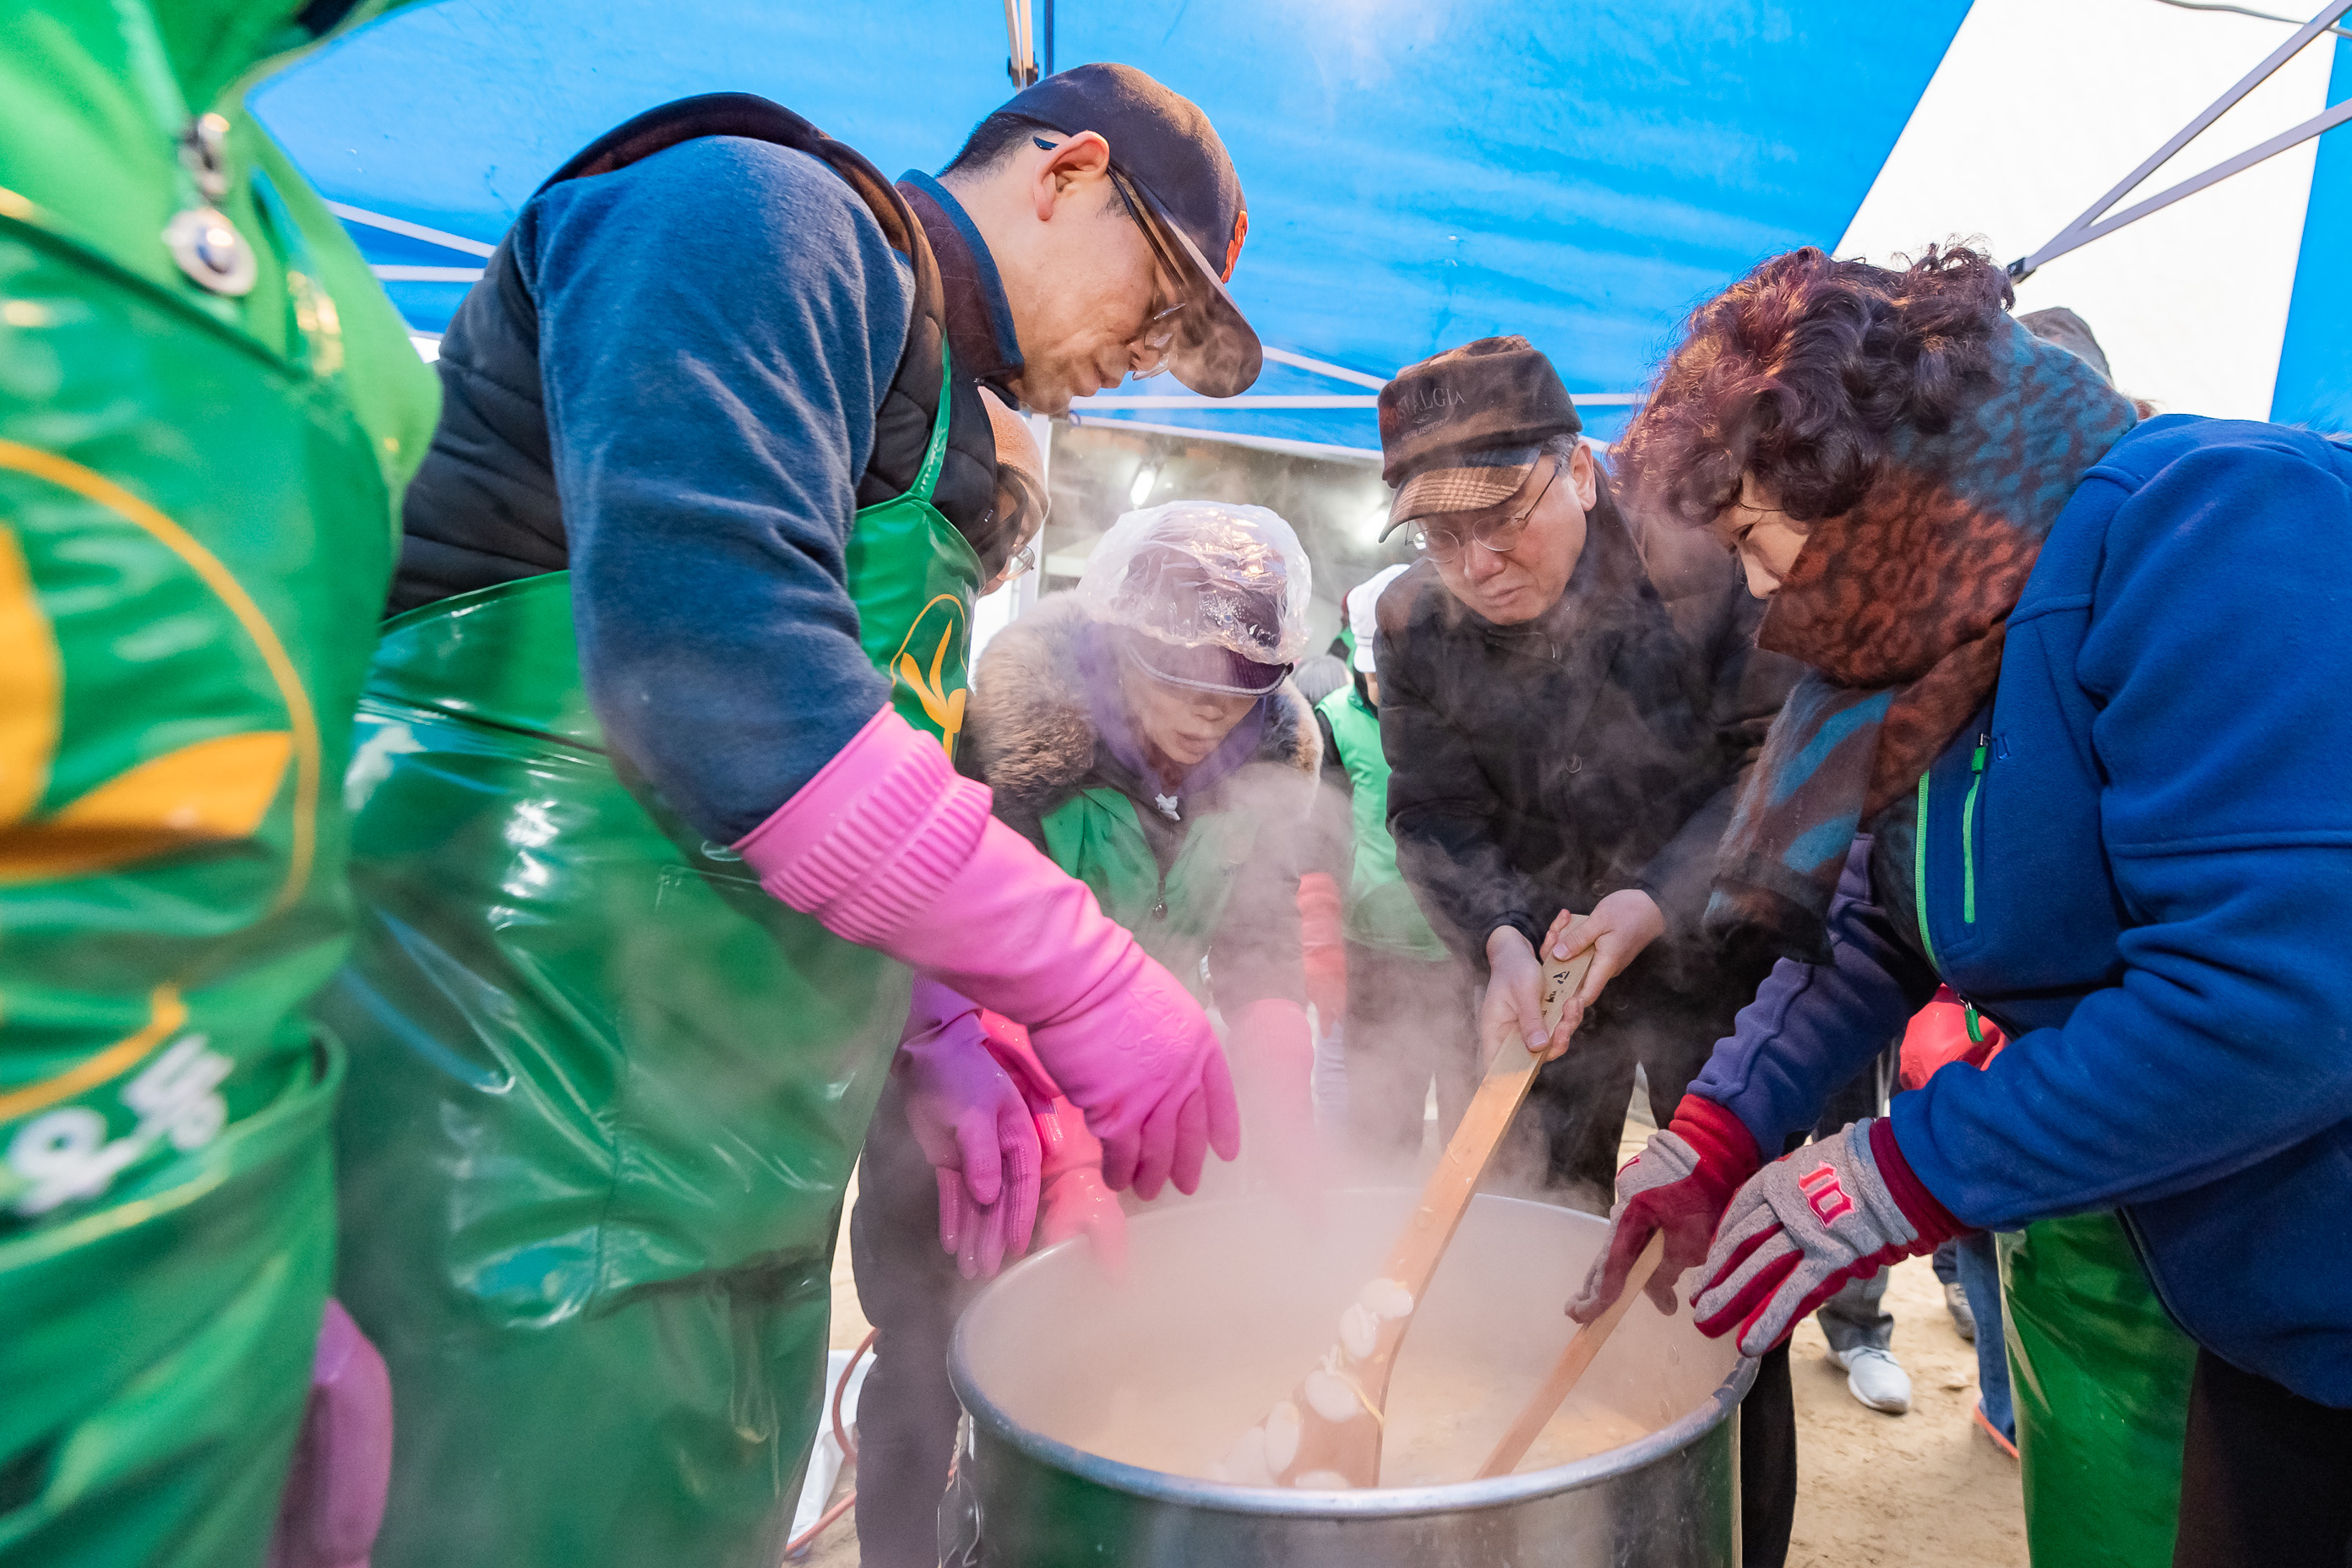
1321	917
1141	732
656	807
1569	700
1022	497
209	411
1412	1016
1317	678
1946	1260
2072	746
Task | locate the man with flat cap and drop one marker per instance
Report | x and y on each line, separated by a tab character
1569	699
656	809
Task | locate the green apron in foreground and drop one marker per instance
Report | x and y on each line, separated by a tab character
196	520
1381	912
2099	1375
606	1095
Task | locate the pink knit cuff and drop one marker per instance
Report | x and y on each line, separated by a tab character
874	837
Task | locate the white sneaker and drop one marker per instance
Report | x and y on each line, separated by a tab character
1876	1378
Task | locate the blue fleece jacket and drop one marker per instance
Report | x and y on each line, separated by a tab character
2138	862
718	326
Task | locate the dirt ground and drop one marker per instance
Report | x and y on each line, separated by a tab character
1873	1490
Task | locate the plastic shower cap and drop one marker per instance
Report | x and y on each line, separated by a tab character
1201	573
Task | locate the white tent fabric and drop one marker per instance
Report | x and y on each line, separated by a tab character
2040	105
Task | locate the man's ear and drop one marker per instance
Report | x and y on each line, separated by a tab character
1077	160
1585	476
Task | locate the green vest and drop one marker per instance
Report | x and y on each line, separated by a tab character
606	1093
1096	838
1381	912
197	513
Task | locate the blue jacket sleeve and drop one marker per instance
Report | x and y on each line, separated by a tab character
718	325
1814	1026
2216	652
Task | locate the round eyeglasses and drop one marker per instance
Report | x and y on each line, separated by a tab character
1444	544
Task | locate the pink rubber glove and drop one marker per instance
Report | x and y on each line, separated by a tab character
1274	1052
974	1126
1077	1201
333	1503
888	847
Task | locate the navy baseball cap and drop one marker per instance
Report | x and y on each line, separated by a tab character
1166	148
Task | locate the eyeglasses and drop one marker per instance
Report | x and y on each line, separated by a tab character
1018	565
1445	544
1151	345
1019	513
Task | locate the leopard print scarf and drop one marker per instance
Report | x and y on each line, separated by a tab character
1900	607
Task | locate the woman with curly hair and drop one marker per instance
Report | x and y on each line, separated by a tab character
2074	745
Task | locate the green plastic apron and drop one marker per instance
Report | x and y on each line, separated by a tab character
1096	837
194	530
2099	1373
606	1095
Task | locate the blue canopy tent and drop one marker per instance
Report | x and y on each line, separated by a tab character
1416	176
2314	373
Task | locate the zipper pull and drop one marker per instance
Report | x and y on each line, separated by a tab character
1976	1029
1984	744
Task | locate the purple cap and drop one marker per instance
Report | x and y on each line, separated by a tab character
1166	148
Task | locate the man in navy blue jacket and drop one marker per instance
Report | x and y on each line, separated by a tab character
660	806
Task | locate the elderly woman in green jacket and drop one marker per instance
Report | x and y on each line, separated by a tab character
1144	733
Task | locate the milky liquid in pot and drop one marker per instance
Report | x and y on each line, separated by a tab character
1219	1318
1445	1413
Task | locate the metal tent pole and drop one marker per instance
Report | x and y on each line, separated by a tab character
2095	221
1020	58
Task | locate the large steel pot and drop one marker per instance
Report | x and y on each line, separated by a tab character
1223	1308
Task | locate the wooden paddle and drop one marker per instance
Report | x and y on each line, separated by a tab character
1581	1348
1327	1433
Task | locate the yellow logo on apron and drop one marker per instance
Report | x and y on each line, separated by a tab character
932	659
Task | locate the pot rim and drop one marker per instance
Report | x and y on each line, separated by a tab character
1383	1502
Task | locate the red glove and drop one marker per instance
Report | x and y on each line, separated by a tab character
1679	1183
1320	945
1273	1052
1077	1201
1839	1208
1939	1034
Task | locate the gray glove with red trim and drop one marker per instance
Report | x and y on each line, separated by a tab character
1835	1210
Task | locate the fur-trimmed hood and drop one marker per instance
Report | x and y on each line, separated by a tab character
1033	736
